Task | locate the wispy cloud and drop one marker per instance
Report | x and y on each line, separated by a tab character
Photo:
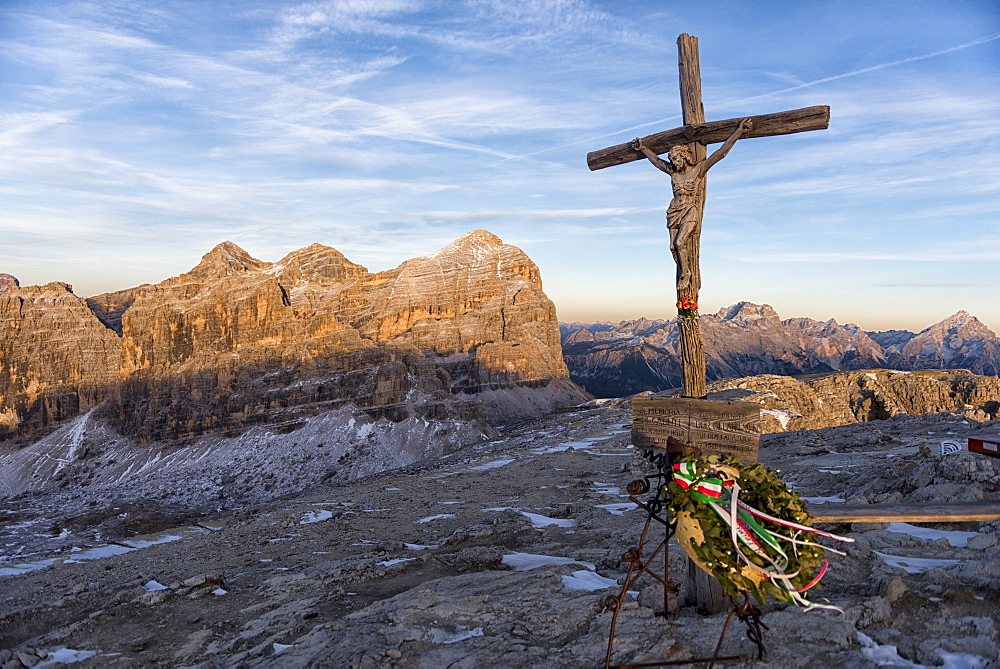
387	128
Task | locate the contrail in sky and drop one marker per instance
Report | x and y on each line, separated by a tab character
873	68
853	73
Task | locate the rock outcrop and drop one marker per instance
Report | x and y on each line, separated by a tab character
748	339
238	341
840	398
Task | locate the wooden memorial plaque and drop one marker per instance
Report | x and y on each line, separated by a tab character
696	427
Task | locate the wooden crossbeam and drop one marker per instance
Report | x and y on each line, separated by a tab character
765	125
952	512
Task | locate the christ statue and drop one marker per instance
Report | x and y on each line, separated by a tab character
684	213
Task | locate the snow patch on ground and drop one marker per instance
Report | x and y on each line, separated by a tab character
824	500
389	563
956	538
962	660
607	489
539	521
913	565
782	415
438	516
883	656
493	465
527	561
77	555
66	656
587	580
461	633
565	446
618	509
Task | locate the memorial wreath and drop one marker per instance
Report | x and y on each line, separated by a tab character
742	524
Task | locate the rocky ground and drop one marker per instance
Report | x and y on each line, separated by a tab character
501	555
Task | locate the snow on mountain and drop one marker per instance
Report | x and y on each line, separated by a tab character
747	339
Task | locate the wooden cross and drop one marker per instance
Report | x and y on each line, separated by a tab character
688	174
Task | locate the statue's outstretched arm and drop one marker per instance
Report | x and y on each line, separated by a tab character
660	163
745	126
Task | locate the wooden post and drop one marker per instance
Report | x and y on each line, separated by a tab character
692	350
703	590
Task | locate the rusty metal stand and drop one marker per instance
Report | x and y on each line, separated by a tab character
745	611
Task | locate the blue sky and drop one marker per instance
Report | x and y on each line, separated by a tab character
135	136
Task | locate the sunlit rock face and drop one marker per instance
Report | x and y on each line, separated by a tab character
476	306
840	398
238	341
56	358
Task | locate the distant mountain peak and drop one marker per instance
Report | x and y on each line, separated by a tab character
960	319
961	316
742	312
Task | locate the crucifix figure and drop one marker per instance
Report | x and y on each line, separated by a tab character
687	167
685	211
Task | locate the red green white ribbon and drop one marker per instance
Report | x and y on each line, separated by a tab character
722	496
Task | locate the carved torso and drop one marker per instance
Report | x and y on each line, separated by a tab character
684	204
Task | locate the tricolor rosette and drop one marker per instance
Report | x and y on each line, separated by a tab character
742	524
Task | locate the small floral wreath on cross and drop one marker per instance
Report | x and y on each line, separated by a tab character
687	307
742	524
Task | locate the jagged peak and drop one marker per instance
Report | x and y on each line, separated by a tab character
319	259
228	249
474	240
227	257
58	287
479	238
314	249
961	316
960	319
745	311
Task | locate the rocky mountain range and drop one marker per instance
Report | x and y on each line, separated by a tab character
464	338
303	463
618	359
